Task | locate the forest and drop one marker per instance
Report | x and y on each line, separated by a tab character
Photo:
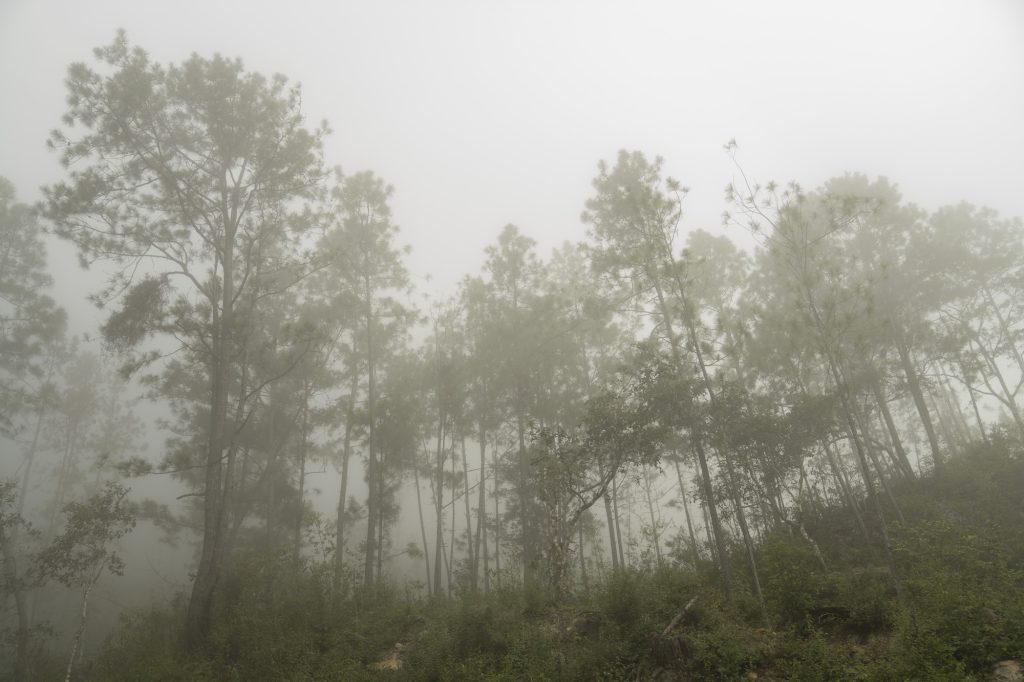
790	447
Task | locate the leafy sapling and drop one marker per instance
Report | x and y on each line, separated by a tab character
79	556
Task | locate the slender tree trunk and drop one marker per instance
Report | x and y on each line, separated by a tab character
346	454
21	637
381	468
497	521
450	557
481	517
83	612
654	521
945	420
583	555
1004	328
30	458
439	504
63	472
423	528
890	425
526	521
470	545
949	397
847	411
1009	401
846	488
720	435
748	543
873	456
725	570
706	518
724	564
974	402
612	545
297	529
922	408
611	522
372	500
197	619
618	527
686	510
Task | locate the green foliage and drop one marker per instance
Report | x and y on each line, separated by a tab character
84	549
794	581
30	321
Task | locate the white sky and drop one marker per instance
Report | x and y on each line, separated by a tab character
484	113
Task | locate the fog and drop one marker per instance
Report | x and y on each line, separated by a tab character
489	341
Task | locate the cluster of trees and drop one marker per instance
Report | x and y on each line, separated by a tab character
265	299
63	408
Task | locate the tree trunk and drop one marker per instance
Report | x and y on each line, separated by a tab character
372	501
1008	400
686	510
1004	328
423	527
297	529
77	641
439	504
654	522
922	408
470	545
955	408
873	455
346	453
497	521
526	521
724	564
618	528
481	518
890	425
583	555
725	570
847	410
450	556
21	637
748	543
197	619
974	402
610	521
30	458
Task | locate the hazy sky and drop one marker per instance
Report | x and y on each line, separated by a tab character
484	113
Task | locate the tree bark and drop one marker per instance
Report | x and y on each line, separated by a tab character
297	529
890	425
470	545
1007	398
974	402
654	522
346	453
21	637
1004	328
922	408
481	518
372	499
439	503
686	509
77	641
197	619
423	527
724	568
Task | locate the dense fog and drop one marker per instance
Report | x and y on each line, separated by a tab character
472	341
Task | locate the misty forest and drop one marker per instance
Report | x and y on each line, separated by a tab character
783	447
